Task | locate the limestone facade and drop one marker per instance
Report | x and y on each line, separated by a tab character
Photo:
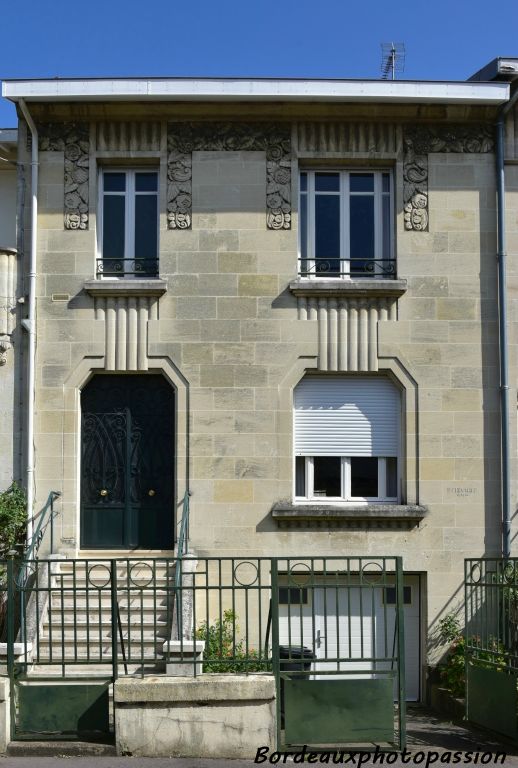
233	328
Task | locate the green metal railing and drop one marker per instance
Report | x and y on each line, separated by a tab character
181	550
45	518
491	643
347	613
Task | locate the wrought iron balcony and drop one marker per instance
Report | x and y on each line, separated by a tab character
127	267
353	268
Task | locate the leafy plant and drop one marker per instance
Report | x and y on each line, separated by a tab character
13	518
453	672
224	652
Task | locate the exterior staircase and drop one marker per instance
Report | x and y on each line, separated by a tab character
81	610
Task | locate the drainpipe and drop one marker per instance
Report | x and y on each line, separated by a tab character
29	323
502	325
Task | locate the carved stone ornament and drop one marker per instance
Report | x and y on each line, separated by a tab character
419	141
185	138
73	139
5	346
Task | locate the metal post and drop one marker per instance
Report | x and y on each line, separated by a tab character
51	523
401	653
113	583
10	635
275	643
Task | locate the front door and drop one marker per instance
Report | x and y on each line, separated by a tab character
127	462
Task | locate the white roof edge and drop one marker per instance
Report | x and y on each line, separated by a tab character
186	89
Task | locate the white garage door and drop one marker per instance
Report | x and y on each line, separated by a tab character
357	624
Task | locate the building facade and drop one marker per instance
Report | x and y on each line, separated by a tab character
280	297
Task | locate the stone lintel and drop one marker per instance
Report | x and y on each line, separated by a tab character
137	287
206	688
344	288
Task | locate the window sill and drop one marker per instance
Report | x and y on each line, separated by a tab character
122	287
308	286
296	515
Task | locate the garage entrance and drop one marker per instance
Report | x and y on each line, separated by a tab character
339	631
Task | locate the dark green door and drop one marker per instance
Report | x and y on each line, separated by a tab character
127	462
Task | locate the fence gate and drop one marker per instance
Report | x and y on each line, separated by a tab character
57	691
491	637
338	652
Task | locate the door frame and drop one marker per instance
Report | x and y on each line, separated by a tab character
73	386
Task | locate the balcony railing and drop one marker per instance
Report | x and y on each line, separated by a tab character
127	267
352	268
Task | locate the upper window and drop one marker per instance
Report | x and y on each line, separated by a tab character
347	439
346	227
128	224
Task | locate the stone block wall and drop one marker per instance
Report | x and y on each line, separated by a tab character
231	330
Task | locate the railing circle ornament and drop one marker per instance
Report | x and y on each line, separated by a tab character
97	572
475	573
248	573
372	572
141	580
300	577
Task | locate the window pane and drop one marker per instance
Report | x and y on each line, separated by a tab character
362	233
146	182
385	182
387	230
362	182
303	234
293	596
300	476
391	463
114	182
326	477
327	182
390	595
364	476
327	233
113	227
145	232
303	182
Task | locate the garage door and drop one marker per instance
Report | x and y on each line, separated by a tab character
356	629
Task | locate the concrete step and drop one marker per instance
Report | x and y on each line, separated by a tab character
62	748
81	636
40	672
80	602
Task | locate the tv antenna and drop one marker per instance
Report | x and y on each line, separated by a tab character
392	60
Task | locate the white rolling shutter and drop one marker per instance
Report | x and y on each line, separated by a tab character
347	416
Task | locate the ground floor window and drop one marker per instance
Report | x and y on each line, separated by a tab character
347	439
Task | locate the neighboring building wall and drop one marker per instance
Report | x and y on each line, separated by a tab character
8	294
235	340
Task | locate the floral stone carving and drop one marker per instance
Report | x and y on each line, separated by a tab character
73	139
419	141
186	137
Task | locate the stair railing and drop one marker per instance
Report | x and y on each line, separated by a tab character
45	520
182	548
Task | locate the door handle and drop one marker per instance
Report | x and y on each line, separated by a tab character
103	492
319	638
151	492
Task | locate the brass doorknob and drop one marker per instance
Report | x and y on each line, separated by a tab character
103	492
151	492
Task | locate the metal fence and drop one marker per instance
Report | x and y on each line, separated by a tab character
334	624
491	643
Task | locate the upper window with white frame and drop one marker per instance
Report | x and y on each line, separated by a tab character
347	439
346	224
128	233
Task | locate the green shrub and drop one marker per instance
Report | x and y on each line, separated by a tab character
453	671
224	652
13	518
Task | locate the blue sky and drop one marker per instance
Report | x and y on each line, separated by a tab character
444	40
